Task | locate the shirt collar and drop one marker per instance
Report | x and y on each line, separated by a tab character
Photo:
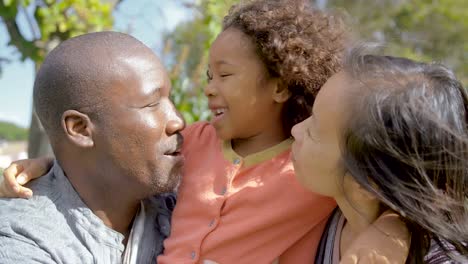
255	158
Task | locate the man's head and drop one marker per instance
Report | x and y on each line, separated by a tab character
103	99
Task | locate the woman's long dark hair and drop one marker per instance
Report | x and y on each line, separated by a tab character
407	142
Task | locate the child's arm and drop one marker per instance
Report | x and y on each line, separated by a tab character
386	241
304	250
21	172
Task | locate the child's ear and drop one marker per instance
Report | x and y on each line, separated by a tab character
280	92
78	128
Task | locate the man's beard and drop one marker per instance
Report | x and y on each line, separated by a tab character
171	182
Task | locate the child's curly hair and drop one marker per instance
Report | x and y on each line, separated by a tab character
299	44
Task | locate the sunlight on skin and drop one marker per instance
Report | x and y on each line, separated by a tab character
390	235
368	257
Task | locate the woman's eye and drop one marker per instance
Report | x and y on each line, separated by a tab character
309	134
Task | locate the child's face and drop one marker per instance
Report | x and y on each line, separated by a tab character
316	150
240	93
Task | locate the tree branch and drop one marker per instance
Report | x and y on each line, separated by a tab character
25	47
33	30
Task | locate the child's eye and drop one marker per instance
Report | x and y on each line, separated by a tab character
209	77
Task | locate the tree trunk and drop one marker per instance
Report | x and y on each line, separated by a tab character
38	142
38	145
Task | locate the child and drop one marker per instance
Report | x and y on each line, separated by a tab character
238	201
389	134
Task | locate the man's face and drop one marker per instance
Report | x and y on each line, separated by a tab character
139	132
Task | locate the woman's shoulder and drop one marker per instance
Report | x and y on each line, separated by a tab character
387	238
438	251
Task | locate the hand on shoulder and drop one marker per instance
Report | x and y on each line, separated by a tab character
21	172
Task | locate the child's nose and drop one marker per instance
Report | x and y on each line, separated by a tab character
209	90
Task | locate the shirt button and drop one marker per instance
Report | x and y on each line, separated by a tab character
211	223
236	161
223	191
193	255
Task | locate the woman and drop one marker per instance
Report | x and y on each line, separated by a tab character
389	134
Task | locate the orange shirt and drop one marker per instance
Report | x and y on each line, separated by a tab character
242	210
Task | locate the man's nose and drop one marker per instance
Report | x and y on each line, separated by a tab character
175	124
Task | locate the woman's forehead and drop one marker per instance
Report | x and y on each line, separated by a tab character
332	102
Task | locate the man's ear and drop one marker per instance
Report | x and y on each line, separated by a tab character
78	128
280	92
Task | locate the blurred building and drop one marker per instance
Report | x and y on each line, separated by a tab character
11	151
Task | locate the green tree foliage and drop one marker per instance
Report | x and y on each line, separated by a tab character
427	30
186	53
12	132
50	22
424	30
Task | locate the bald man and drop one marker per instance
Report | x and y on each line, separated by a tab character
103	99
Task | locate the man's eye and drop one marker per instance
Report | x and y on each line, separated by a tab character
153	104
225	75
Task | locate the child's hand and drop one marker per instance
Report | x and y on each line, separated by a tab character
386	241
21	172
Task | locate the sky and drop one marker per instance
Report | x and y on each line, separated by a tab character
144	19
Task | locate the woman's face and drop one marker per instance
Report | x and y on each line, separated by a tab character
316	150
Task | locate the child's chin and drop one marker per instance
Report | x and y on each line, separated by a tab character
222	132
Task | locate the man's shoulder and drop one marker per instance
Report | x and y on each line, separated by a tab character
41	225
21	250
37	218
41	204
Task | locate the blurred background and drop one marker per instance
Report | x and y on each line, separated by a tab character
180	32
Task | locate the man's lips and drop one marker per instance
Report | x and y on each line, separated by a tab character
175	157
176	150
175	153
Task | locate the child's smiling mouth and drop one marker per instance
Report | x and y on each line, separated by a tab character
218	113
